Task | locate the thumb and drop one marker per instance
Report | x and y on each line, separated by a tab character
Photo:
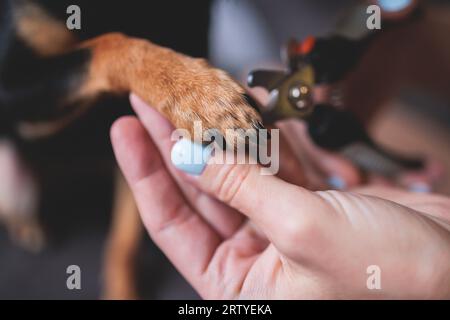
280	209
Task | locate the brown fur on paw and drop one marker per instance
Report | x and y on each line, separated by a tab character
213	99
182	88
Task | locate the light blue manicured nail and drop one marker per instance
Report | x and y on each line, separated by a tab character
190	157
394	5
420	187
337	182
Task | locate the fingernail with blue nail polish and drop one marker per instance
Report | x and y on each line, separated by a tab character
394	5
337	182
190	157
420	187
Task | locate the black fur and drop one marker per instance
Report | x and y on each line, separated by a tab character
34	88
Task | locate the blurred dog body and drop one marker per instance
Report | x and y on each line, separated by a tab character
50	76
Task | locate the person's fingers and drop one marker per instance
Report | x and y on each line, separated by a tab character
286	214
432	204
282	211
291	169
187	240
396	9
222	218
424	179
339	172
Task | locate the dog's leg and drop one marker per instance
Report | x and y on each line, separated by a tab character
122	246
19	200
182	88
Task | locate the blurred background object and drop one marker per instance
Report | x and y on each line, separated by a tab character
396	81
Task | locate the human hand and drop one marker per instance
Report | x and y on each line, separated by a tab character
234	233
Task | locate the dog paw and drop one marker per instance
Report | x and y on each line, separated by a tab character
190	92
210	98
186	90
